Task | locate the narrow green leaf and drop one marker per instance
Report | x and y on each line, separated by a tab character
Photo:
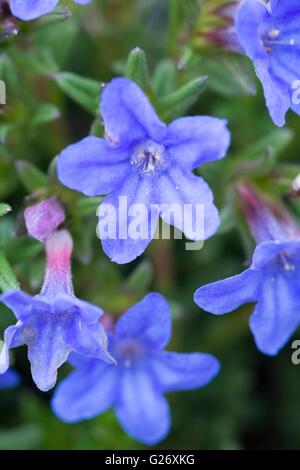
260	158
276	141
4	209
97	128
25	437
164	77
181	100
230	75
137	69
30	176
8	280
87	205
83	91
175	21
4	130
58	15
44	114
141	278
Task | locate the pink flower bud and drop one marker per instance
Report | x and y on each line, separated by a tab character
268	220
43	219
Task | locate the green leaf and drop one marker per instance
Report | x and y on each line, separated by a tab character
175	21
230	75
97	128
228	220
4	130
83	91
4	209
58	15
137	69
25	437
276	141
181	100
30	176
9	74
40	60
164	77
181	11
87	205
44	114
8	280
260	158
141	278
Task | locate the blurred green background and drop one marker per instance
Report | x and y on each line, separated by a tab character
253	403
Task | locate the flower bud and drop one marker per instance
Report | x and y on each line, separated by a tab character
43	219
268	220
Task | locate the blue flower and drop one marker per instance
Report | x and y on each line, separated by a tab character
9	380
53	323
270	36
147	163
135	387
32	9
272	280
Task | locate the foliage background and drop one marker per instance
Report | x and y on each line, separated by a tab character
253	403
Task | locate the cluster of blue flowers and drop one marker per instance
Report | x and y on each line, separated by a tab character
152	163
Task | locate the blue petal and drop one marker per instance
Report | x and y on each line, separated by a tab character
86	393
282	7
276	94
193	141
32	9
126	243
92	166
128	115
273	4
251	15
90	340
82	2
227	295
52	333
277	313
11	340
90	313
19	302
265	251
181	188
175	372
48	349
149	320
9	380
141	408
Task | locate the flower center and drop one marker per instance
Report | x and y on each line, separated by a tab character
128	352
272	38
148	157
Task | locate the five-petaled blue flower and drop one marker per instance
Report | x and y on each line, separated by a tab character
269	33
32	9
272	280
53	323
135	387
9	380
147	163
